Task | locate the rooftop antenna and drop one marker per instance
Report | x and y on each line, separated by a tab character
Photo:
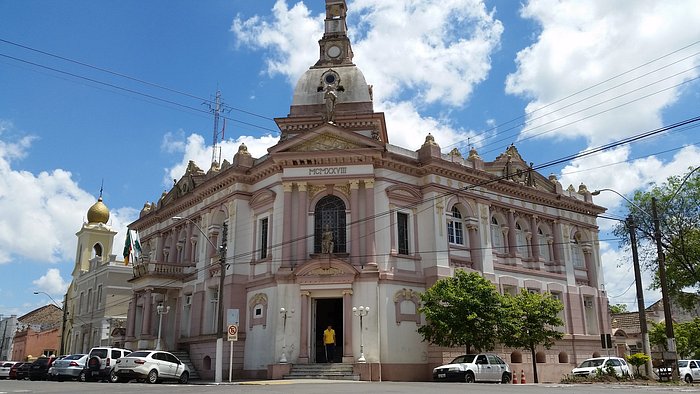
102	184
218	135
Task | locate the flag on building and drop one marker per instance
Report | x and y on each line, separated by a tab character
127	247
136	245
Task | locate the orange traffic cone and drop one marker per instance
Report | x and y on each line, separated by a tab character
515	377
522	377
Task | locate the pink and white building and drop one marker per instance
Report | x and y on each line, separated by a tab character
399	219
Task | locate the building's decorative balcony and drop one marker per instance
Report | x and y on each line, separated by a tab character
156	270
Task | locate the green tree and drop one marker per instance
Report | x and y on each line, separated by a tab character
637	360
678	207
618	308
531	320
463	310
687	337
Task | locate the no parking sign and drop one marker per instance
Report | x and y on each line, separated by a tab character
232	332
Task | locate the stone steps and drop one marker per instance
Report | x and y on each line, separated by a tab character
322	371
185	358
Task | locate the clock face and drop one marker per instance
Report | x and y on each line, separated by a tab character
333	51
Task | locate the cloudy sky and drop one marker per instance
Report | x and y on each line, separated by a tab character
95	95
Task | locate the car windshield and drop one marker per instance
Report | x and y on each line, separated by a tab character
682	364
73	357
139	354
595	362
7	364
468	358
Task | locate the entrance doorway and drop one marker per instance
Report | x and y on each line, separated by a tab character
328	311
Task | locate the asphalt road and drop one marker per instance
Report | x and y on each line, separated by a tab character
334	387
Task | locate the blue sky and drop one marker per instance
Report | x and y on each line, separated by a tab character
460	69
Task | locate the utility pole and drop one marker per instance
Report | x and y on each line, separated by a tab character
222	317
640	295
671	355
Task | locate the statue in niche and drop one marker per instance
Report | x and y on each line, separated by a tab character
329	97
327	240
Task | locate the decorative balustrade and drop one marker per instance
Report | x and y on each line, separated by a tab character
164	270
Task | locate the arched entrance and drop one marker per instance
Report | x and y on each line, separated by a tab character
326	289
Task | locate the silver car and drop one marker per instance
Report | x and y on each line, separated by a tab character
68	367
5	369
151	365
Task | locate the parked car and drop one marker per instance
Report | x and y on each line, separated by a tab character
5	369
591	366
475	368
689	370
13	370
152	365
23	371
100	362
68	367
39	369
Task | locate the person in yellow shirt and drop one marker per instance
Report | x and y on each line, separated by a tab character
329	343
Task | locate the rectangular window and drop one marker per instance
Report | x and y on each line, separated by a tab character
455	234
80	303
98	299
88	304
402	226
263	238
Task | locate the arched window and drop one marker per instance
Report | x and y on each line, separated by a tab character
577	251
455	228
543	241
497	236
521	241
329	215
97	249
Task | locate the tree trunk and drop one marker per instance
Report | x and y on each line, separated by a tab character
534	365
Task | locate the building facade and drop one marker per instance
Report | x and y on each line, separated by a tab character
98	297
335	217
8	328
38	333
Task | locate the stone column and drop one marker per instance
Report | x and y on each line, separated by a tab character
535	243
188	244
354	222
474	247
557	247
287	226
131	317
370	243
347	326
304	331
512	242
302	213
146	321
590	267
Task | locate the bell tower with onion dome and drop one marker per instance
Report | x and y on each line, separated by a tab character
95	238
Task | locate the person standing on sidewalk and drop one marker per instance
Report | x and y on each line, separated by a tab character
329	343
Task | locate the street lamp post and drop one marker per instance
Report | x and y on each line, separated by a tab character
285	314
63	322
222	272
361	312
162	310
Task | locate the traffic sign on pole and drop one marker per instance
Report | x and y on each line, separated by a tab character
232	332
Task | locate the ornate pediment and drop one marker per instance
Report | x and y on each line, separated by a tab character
325	142
324	271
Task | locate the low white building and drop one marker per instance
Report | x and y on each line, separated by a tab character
400	220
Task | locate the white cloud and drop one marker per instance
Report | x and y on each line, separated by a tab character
52	283
41	210
600	171
194	148
619	278
584	42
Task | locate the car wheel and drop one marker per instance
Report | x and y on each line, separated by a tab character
505	378
152	377
469	377
688	378
184	378
113	377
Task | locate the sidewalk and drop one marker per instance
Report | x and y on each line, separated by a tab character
270	382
